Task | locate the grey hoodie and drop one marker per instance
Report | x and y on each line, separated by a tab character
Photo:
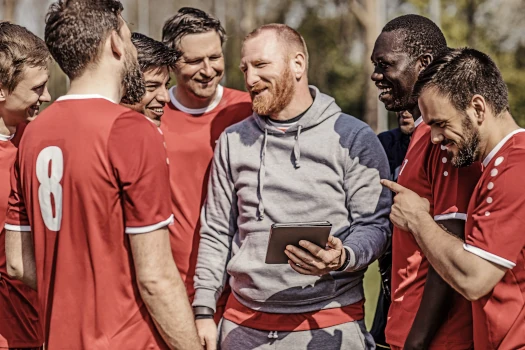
325	167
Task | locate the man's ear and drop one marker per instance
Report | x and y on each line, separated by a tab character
480	107
117	46
424	61
299	65
3	93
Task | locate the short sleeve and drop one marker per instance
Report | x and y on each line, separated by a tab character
16	219
138	156
451	187
499	214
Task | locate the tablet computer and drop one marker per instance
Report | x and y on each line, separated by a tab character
291	233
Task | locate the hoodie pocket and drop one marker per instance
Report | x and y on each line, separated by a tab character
239	255
254	280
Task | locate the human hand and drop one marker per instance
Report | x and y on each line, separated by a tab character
315	260
407	206
207	331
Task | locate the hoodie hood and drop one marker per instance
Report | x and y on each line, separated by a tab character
322	108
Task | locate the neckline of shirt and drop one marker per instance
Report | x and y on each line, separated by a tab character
83	97
6	138
418	121
194	111
281	126
285	124
500	144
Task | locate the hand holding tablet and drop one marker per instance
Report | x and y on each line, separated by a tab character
285	234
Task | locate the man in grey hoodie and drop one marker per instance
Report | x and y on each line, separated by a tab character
296	159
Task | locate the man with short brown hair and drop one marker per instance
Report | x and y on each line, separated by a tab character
91	192
199	110
24	73
155	61
465	103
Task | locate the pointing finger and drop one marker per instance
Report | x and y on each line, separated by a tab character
393	186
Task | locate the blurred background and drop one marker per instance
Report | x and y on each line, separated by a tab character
340	35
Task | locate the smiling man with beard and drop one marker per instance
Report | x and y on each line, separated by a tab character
425	311
198	112
465	102
155	61
298	158
87	217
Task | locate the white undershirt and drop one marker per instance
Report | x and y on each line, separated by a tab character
216	100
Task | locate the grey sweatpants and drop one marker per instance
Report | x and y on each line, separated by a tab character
346	336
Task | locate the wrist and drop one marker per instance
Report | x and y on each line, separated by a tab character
420	220
203	312
345	260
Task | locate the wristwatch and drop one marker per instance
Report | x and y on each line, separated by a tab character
203	312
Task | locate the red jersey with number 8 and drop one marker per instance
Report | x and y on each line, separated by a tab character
89	172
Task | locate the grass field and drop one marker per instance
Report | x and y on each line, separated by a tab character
371	285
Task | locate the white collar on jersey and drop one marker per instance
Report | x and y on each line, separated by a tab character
418	121
210	107
6	138
500	144
83	97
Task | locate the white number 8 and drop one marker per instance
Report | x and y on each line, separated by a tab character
49	171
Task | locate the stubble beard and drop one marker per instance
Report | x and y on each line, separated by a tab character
132	81
468	147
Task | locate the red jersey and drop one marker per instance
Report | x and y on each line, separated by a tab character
20	326
90	171
494	231
427	170
190	136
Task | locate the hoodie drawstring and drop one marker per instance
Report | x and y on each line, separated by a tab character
296	148
262	170
261	175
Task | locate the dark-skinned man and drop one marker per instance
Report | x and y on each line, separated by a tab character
425	311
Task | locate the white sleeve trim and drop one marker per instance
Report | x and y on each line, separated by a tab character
146	229
460	216
23	228
489	256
